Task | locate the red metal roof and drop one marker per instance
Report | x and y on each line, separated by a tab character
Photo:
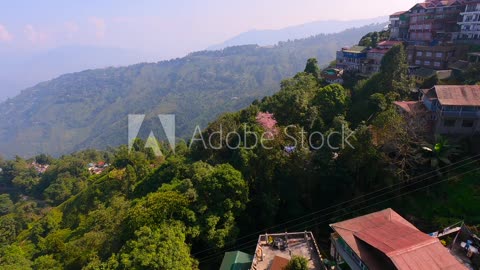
411	106
406	246
458	95
388	43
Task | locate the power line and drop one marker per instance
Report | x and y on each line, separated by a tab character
248	244
354	199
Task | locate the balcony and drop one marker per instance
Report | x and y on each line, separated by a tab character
471	10
461	114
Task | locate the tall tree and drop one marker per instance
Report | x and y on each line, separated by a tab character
163	248
312	67
394	71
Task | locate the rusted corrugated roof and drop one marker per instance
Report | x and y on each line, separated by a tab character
389	43
458	95
411	106
400	241
432	256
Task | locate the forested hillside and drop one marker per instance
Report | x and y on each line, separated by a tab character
89	109
185	209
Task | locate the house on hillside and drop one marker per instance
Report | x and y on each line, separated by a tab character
385	240
333	75
454	108
351	58
451	109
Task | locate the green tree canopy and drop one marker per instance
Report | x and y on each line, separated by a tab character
297	263
312	67
163	248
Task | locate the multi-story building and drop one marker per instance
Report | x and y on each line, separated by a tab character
385	240
352	58
470	23
434	57
434	21
399	22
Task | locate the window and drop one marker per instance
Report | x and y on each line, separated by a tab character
418	62
469	109
419	53
426	63
467	123
439	55
436	64
449	123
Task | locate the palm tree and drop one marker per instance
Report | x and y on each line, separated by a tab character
441	153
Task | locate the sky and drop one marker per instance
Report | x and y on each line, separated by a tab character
167	28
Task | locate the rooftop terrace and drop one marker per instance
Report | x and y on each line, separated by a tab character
274	247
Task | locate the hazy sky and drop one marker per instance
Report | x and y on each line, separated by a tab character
167	27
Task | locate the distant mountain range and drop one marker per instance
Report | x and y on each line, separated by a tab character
272	37
89	109
21	70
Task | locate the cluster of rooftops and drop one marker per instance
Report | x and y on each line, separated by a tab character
380	240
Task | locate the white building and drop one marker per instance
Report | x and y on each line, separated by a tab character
470	25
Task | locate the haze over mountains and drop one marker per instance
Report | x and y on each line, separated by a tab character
89	109
19	70
271	37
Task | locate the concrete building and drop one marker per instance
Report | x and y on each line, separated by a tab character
399	23
434	21
351	58
470	23
434	57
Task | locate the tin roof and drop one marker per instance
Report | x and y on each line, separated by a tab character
404	245
411	107
236	260
356	49
389	43
458	95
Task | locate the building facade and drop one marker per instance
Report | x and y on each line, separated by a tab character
470	23
434	57
434	22
399	22
352	58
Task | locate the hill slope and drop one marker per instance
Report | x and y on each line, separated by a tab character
21	70
271	37
90	108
